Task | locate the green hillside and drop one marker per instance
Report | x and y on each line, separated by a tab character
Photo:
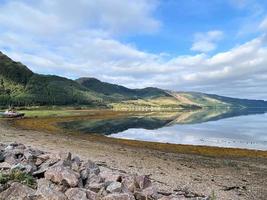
117	92
19	86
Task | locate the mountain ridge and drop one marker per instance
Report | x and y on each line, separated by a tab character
20	86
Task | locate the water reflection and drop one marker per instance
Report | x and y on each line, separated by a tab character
216	127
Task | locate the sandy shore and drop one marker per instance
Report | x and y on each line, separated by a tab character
194	175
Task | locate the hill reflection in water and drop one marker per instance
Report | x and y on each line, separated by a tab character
216	127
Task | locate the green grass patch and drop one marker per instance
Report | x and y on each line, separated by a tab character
46	113
17	176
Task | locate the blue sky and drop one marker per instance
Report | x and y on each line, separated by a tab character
216	46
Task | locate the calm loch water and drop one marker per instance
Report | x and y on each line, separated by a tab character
224	128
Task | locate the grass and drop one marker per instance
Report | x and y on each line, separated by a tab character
56	112
46	113
17	176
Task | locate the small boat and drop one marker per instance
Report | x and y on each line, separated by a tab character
12	114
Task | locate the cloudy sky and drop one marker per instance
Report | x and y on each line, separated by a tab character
216	46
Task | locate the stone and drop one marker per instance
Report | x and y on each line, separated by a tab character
63	156
61	177
44	166
118	196
31	154
30	168
10	158
18	166
5	165
39	161
95	182
46	190
84	174
75	165
150	193
111	176
76	194
2	157
114	187
17	191
94	179
16	151
90	167
9	147
91	195
2	147
77	160
44	157
95	187
18	146
142	182
128	184
58	174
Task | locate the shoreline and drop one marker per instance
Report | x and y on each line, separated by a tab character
227	177
48	124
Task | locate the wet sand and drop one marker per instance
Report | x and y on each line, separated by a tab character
227	177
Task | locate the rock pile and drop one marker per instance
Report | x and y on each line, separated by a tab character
63	177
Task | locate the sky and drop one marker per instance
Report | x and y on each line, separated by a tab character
216	46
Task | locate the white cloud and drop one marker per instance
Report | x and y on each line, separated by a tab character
47	17
263	24
205	42
46	37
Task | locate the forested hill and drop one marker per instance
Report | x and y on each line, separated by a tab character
118	92
20	86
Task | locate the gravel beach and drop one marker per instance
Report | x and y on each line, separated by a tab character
190	175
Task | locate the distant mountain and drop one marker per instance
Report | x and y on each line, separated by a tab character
119	92
20	86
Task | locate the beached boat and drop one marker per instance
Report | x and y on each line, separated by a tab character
11	114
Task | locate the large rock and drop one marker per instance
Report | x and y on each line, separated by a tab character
16	150
75	164
45	166
31	154
114	187
142	182
46	191
89	167
94	183
63	156
96	187
91	195
11	158
147	193
117	196
94	179
76	194
128	184
111	176
17	191
58	174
